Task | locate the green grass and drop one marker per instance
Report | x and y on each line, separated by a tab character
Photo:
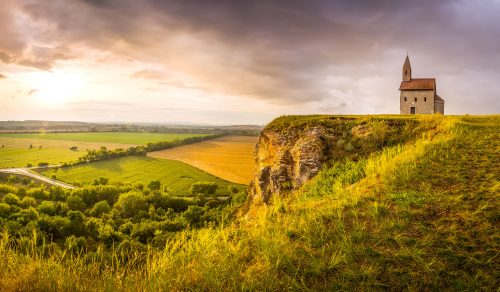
16	157
419	216
175	175
15	148
135	138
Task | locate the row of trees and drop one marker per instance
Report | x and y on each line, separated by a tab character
103	153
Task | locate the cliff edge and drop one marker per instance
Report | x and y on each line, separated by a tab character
291	150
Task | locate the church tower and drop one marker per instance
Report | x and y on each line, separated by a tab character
407	70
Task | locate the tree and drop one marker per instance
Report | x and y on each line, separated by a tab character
75	203
154	185
203	188
131	203
100	208
4	210
47	207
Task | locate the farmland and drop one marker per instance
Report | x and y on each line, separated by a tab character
230	157
176	176
134	138
15	150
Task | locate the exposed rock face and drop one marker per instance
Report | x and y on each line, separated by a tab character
286	160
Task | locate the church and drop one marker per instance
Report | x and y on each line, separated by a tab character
418	95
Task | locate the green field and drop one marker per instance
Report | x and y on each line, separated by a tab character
55	148
135	138
176	176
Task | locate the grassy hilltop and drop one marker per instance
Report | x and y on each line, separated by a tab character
419	215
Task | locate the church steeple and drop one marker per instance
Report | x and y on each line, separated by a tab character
407	70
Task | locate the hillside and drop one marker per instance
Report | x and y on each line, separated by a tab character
338	203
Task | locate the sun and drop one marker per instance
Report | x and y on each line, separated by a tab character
55	88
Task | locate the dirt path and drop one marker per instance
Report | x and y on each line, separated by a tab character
39	177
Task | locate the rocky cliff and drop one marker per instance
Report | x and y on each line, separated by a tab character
293	149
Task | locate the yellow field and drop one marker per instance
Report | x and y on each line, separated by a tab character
231	157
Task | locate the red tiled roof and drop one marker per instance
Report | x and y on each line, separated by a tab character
419	84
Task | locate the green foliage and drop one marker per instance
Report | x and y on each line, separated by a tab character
131	203
76	203
203	188
4	210
11	199
100	208
28	202
154	185
47	207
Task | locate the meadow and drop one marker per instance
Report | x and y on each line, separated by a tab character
54	148
229	157
176	176
421	215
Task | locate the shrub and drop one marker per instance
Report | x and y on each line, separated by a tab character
100	208
28	202
5	189
130	204
73	148
12	199
203	188
43	164
154	185
75	203
101	181
47	207
4	210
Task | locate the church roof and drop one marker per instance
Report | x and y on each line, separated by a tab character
438	98
419	84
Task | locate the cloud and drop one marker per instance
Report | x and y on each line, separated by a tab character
3	76
279	51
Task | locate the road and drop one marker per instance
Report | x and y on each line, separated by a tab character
39	177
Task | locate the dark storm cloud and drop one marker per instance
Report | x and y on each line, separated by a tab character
279	50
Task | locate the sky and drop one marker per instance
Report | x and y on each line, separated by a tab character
241	61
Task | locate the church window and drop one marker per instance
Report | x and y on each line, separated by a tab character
405	98
415	99
406	72
425	98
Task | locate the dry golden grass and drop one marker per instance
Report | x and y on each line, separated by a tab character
230	157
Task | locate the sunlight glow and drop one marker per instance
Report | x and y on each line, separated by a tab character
56	88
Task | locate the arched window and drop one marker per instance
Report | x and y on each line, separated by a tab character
406	72
415	99
425	98
405	98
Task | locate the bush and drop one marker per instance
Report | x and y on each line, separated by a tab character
47	207
154	185
101	181
12	199
75	203
28	202
100	208
43	164
5	189
203	188
4	210
131	203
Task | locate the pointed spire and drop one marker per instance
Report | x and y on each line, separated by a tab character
407	69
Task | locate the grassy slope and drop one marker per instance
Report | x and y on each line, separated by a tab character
135	138
175	175
55	147
420	216
230	157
